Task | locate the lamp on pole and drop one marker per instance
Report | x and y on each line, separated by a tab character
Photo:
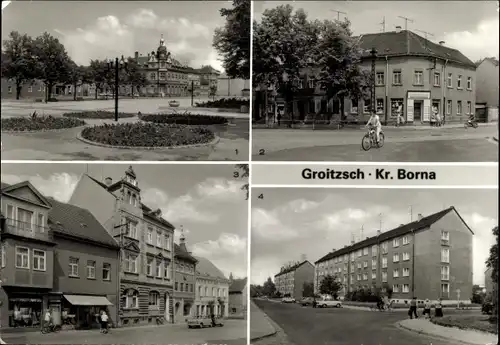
373	54
117	65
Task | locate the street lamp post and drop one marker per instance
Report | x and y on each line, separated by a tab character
117	65
373	54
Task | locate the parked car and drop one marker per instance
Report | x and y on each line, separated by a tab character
288	300
306	301
329	303
204	321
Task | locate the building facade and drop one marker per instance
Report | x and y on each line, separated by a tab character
414	78
238	296
487	90
146	241
185	281
212	290
290	281
428	258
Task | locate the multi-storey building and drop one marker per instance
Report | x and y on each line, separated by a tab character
487	89
290	281
212	289
428	258
414	77
185	281
238	297
146	241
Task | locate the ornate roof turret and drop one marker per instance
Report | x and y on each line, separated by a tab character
162	49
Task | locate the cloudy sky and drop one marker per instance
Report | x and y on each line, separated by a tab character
106	29
469	26
205	199
289	223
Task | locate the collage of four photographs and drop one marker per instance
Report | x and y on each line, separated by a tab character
249	172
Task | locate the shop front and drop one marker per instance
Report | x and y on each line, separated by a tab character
418	106
82	311
22	308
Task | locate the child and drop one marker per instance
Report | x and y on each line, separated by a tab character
374	121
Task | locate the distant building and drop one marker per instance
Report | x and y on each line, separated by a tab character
487	90
228	87
185	281
238	297
290	281
428	258
212	290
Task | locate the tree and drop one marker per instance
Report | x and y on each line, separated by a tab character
77	75
492	262
308	290
478	296
233	40
52	61
213	91
243	174
330	286
99	73
17	60
269	289
133	76
388	290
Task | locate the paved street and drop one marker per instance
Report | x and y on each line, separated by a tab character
233	333
63	145
342	326
401	145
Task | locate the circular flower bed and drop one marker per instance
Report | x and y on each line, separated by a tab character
227	103
147	135
185	119
99	114
42	123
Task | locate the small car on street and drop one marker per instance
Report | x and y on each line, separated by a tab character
204	321
329	303
306	301
288	300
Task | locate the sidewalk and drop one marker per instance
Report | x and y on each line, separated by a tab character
260	325
459	336
360	126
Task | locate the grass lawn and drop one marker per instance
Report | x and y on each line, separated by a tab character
475	322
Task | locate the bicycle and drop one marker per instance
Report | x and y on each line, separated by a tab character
370	140
51	329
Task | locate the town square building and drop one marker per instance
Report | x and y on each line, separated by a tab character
212	290
185	281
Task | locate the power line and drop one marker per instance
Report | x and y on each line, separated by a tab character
339	13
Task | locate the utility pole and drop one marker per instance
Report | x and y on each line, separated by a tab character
339	13
407	33
383	24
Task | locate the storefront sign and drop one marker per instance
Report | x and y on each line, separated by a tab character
409	111
427	110
419	95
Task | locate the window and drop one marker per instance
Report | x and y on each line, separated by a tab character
448	107
459	107
437	79
395	288
406	256
134	200
395	273
384	248
4	255
91	269
168	245
30	89
469	83
130	263
132	299
310	84
360	253
367	105
384	262
163	75
159	239
73	267
39	260
166	269
459	82
365	276
25	218
418	78
149	266
9	89
445	235
153	76
154	299
41	221
365	264
374	250
406	288
149	238
469	107
449	80
445	272
131	228
405	240
374	264
445	288
396	78
384	277
359	277
395	242
200	291
354	106
365	251
158	268
380	106
380	80
176	286
22	257
395	257
406	272
106	271
359	265
445	255
374	275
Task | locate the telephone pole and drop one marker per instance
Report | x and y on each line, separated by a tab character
383	24
339	13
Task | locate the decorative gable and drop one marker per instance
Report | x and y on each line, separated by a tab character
132	246
26	191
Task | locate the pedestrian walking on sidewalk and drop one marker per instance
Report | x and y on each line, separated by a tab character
427	309
413	308
438	309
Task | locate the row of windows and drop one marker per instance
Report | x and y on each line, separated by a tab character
90	271
24	219
157	268
165	75
184	287
152	237
184	267
418	79
204	291
38	261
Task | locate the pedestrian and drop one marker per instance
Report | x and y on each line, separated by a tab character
47	319
279	117
438	309
413	308
427	309
314	302
104	322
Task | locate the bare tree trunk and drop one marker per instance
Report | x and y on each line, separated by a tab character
19	87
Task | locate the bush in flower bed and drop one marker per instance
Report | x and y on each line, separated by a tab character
184	119
147	135
467	322
42	123
226	103
99	114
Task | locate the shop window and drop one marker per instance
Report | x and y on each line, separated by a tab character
397	107
367	105
380	106
22	257
39	260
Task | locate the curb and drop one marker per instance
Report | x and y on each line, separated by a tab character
45	130
270	322
400	326
214	142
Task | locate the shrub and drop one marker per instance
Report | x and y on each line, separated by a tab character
226	103
24	124
99	114
467	322
184	119
147	135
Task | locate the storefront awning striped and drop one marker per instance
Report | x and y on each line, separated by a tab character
87	300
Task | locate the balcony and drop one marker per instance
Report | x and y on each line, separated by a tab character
28	230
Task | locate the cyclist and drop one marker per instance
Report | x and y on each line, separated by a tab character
374	122
472	118
380	303
48	319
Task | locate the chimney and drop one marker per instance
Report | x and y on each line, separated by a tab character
420	217
441	43
108	181
352	241
136	55
398	29
379	232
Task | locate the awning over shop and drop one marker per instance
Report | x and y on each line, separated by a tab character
87	300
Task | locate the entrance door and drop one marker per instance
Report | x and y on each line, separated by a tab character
167	307
417	111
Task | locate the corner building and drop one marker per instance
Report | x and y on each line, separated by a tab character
428	258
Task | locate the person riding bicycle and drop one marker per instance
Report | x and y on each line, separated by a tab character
472	118
374	122
48	319
380	303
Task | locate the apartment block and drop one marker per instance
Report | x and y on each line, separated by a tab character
290	281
